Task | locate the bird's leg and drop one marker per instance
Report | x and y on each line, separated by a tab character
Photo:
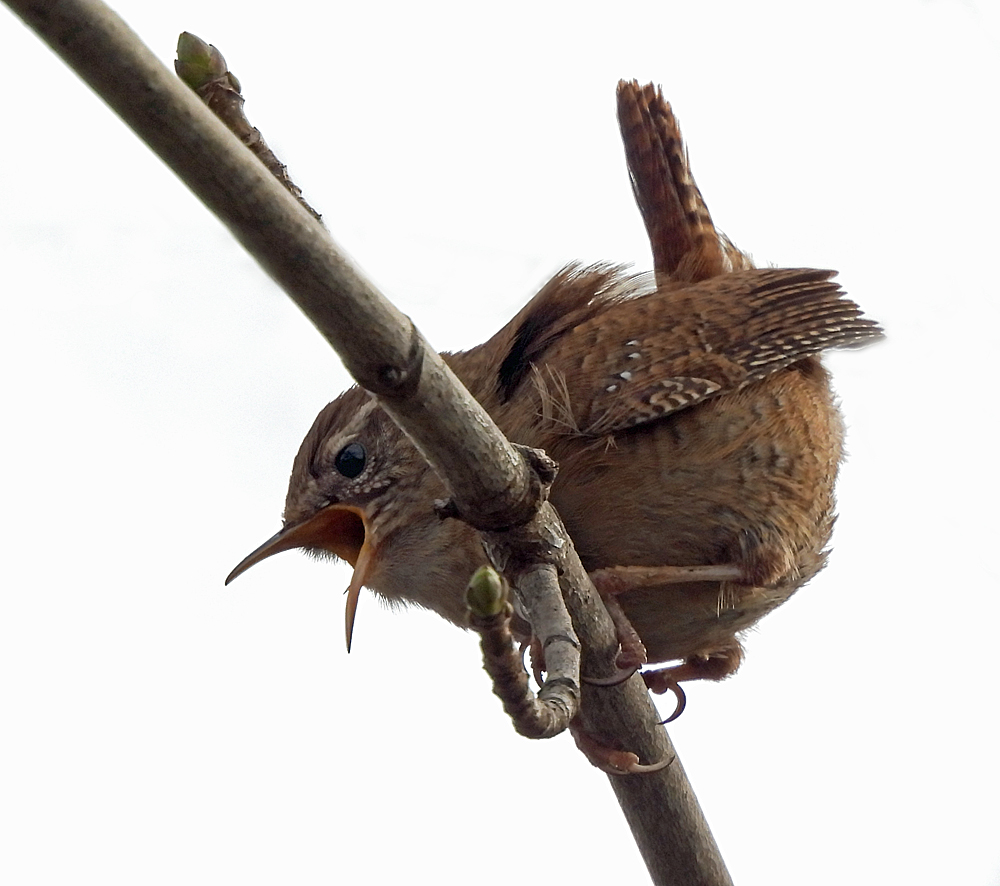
633	653
715	665
620	579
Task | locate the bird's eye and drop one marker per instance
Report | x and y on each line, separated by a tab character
350	461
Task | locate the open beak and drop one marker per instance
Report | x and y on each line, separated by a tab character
339	529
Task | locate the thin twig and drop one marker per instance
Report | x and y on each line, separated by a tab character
202	67
490	616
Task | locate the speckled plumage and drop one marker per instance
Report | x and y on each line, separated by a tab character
689	413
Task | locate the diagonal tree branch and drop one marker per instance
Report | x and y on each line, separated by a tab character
491	485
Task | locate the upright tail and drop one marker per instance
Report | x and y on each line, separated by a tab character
686	246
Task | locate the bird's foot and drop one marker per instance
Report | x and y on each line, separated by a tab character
608	759
632	655
658	681
716	665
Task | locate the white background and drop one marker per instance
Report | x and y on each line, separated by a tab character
158	728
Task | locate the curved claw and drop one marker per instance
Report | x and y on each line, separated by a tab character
610	760
616	679
627	763
681	701
655	682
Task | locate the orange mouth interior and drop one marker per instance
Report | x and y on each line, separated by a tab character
338	529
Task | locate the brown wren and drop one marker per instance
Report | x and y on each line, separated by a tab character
697	437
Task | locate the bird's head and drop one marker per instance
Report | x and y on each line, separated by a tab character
362	492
